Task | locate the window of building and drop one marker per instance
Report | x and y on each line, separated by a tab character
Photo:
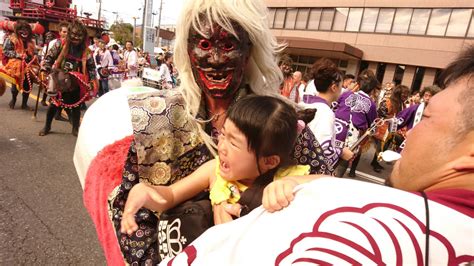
438	22
363	65
398	76
380	72
290	18
369	19
402	20
436	80
471	28
458	22
314	18
384	21
340	19
326	19
302	18
279	18
419	21
418	79
271	17
353	21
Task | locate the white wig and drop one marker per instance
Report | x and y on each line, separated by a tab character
262	72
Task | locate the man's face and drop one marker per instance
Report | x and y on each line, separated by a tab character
427	96
218	59
286	69
129	46
102	45
347	82
433	142
76	37
63	32
297	76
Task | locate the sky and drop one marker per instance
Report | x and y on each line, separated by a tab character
127	9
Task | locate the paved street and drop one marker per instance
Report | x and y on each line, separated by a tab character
42	217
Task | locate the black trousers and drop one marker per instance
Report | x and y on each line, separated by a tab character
74	114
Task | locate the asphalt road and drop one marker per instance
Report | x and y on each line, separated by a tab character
42	217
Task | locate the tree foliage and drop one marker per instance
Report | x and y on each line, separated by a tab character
124	32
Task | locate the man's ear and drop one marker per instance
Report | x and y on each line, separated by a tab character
270	162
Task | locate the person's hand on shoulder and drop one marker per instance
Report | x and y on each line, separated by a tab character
278	194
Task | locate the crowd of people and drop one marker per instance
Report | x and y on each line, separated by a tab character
346	107
104	63
244	130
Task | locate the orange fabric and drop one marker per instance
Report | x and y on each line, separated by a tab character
16	68
288	85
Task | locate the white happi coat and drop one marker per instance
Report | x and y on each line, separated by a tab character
339	222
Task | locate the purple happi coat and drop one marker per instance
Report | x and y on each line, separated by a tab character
356	108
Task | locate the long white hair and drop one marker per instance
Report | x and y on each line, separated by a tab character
261	74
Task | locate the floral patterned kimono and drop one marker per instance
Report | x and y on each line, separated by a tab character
167	147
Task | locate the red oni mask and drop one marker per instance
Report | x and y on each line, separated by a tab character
218	59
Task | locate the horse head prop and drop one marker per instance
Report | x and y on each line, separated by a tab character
59	81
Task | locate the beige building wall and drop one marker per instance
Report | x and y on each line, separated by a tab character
370	3
428	78
389	73
426	51
408	76
373	66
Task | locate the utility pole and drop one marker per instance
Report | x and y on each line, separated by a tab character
143	25
100	9
158	43
134	29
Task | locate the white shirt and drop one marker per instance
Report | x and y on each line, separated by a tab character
106	59
164	73
131	62
380	225
310	90
323	129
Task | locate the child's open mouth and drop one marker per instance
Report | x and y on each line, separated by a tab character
224	167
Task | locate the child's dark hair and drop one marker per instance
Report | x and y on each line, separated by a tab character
268	123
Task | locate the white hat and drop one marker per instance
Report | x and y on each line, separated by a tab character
112	42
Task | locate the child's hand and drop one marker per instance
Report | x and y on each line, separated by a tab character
278	194
221	215
140	195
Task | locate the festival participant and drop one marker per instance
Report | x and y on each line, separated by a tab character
131	60
62	37
248	158
327	78
104	63
224	50
166	70
347	82
425	218
412	115
72	56
355	113
19	49
287	88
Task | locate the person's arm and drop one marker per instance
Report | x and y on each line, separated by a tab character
161	198
9	49
51	56
279	193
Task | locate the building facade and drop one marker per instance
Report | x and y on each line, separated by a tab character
404	41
